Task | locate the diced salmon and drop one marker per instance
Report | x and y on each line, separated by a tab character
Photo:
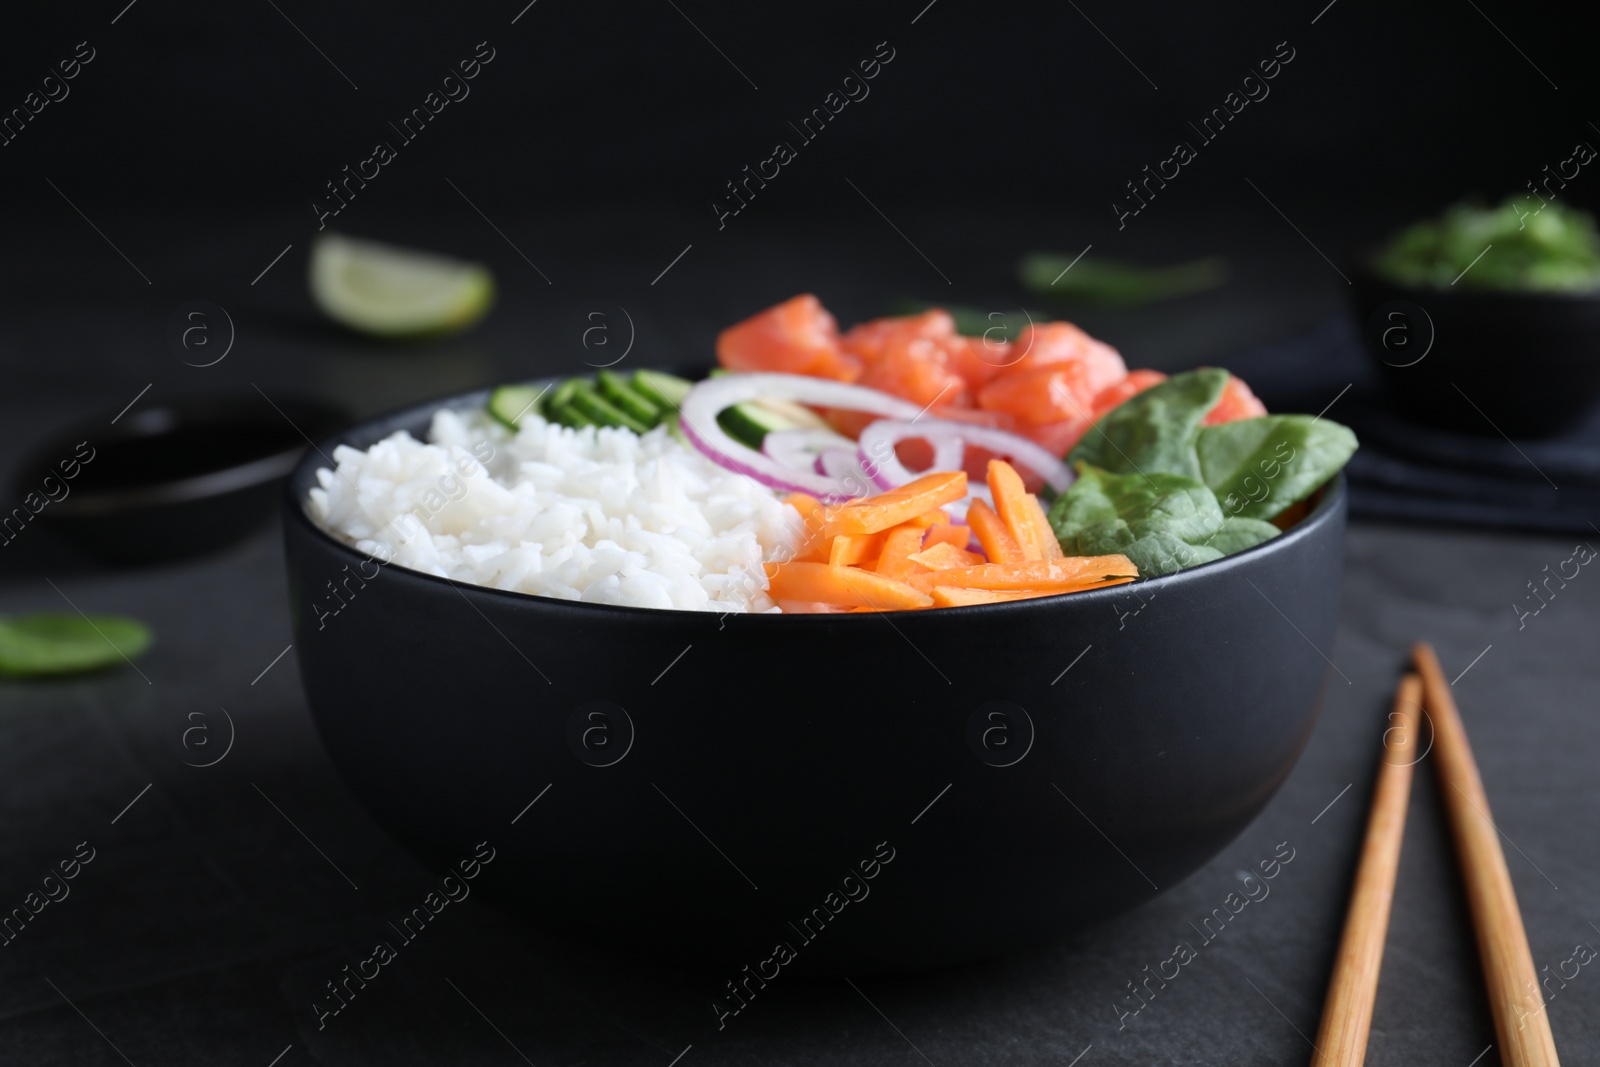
978	359
1045	344
1135	383
797	336
1058	437
1048	394
1236	402
915	369
866	340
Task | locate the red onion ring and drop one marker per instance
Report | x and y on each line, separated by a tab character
708	399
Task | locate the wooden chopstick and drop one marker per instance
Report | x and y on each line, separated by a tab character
1347	1012
1520	1021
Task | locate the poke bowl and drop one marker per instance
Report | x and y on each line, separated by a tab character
824	792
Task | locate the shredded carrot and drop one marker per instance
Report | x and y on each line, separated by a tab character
997	542
850	550
1074	571
959	536
945	557
895	561
899	551
846	586
1020	511
930	519
874	513
947	596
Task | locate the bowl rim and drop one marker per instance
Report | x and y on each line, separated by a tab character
1329	503
196	409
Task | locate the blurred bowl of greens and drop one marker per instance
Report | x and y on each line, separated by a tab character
1486	320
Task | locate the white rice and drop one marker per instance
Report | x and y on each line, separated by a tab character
603	516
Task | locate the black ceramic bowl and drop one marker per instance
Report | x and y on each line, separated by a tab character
172	479
1483	361
704	787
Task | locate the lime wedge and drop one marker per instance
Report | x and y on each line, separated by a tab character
388	291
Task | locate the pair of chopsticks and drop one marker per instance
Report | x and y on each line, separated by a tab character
1520	1021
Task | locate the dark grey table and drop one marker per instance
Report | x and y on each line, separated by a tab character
217	896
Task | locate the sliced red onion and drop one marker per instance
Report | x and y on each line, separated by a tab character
800	448
843	464
875	450
950	440
708	399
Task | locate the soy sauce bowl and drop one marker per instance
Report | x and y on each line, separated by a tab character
172	480
878	792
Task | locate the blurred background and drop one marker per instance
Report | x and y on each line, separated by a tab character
597	140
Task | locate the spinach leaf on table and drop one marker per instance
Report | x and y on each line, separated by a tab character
1162	521
1259	467
1107	281
1153	432
43	644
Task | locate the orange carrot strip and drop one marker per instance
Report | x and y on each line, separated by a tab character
997	542
948	596
872	514
931	519
845	586
1011	500
816	546
850	550
945	557
1075	571
1047	534
895	560
959	536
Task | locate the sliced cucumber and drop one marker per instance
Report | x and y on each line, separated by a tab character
749	423
567	415
800	417
616	389
510	403
664	390
561	395
604	413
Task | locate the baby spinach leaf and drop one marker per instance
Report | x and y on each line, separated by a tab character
1161	521
1239	533
1259	467
1154	431
67	644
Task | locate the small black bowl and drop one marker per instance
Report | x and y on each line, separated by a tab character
170	480
878	792
1483	361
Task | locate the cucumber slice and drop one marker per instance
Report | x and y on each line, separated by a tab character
749	423
664	390
388	291
509	404
799	416
567	415
602	411
616	389
561	395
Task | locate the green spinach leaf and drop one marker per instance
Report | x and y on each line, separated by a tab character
67	644
1259	467
1163	522
1239	533
1153	433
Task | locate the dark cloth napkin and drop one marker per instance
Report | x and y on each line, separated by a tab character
1404	470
